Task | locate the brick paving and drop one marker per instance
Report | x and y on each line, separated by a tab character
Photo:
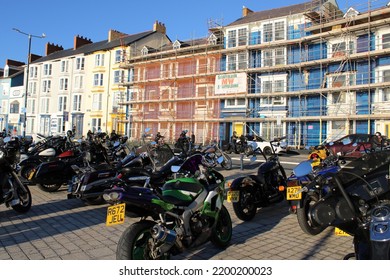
58	228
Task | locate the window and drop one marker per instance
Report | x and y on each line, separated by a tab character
242	61
32	88
232	62
242	37
239	103
97	102
279	30
98	79
144	51
64	66
62	103
31	108
338	97
44	105
272	57
280	57
80	63
46	69
267	32
118	76
267	86
386	76
268	58
78	82
99	60
77	102
342	80
279	86
232	34
277	100
46	86
33	72
64	84
14	107
118	56
343	48
96	124
386	41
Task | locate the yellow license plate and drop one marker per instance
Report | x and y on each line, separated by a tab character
31	174
233	196
115	214
340	232
292	193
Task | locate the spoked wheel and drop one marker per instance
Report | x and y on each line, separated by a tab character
249	150
133	243
303	215
222	232
25	200
227	162
245	208
49	188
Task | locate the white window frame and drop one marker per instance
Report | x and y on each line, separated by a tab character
119	76
97	102
78	81
44	108
98	79
118	56
76	104
62	103
47	69
80	63
46	86
64	84
64	66
235	103
99	60
349	78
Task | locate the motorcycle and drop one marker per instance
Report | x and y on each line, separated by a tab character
185	213
149	160
212	153
357	202
50	176
13	192
247	193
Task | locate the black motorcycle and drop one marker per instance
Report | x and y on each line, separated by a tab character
250	192
357	201
13	192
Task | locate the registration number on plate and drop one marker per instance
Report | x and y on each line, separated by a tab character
115	214
292	193
233	196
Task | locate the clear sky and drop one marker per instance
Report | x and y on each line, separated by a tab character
62	20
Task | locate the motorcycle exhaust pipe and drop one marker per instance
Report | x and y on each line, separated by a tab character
166	236
380	233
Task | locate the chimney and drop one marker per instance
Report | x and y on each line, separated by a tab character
80	41
246	11
51	48
159	27
114	35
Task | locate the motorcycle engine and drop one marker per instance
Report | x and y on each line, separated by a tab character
331	211
198	223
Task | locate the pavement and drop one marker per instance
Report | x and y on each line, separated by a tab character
57	228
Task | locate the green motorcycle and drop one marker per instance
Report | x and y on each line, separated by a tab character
184	213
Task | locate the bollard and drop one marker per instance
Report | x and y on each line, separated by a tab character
242	161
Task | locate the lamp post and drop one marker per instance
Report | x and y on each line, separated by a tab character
27	73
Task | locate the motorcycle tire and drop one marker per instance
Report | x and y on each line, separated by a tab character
25	200
227	163
98	200
223	230
49	188
304	220
25	171
245	208
248	150
133	243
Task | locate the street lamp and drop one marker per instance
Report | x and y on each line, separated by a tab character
27	73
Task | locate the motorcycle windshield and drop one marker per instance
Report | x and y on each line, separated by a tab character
191	164
367	176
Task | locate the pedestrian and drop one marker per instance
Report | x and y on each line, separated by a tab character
193	138
378	141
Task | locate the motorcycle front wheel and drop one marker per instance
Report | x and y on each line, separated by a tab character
25	200
245	208
227	162
222	232
25	171
304	221
49	188
133	243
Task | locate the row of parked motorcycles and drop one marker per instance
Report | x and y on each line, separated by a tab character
179	195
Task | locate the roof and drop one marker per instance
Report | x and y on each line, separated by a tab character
273	13
93	47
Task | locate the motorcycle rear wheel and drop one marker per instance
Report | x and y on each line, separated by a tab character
245	208
222	232
25	200
94	200
133	243
49	188
304	220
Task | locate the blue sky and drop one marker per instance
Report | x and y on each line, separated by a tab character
92	19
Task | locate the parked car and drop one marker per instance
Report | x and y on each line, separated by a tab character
279	147
351	146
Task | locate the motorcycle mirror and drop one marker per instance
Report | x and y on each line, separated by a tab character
175	168
303	168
